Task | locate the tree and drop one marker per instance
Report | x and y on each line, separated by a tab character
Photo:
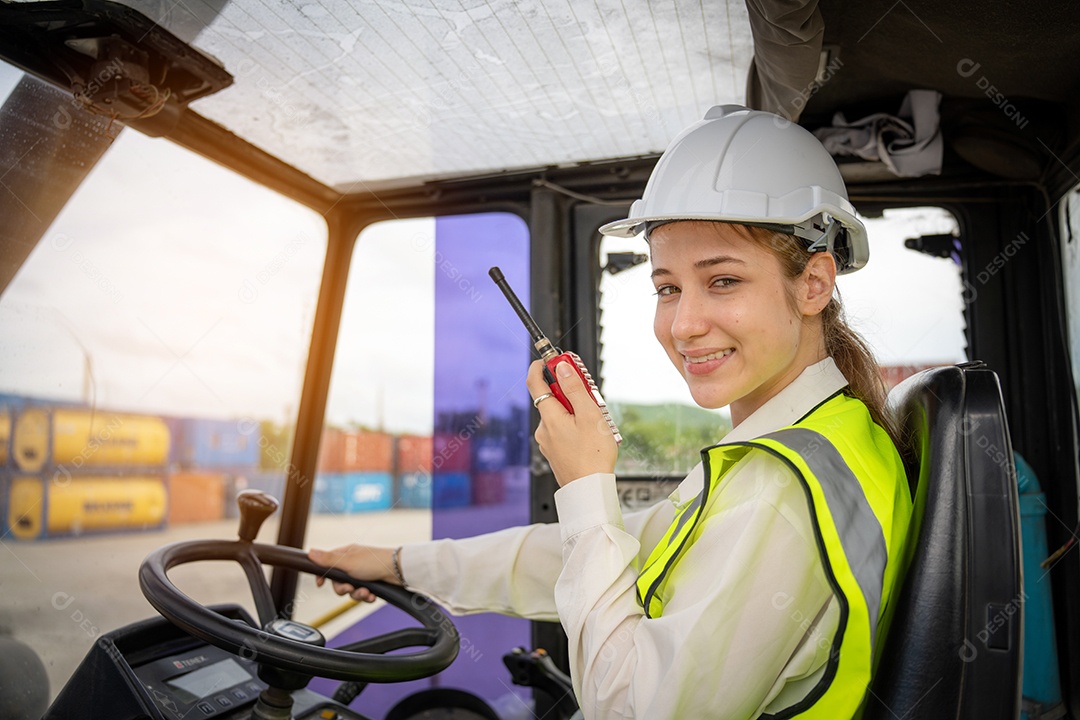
665	440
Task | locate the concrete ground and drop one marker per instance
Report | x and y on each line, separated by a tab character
58	596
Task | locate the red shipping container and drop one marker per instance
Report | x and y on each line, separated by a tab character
196	497
331	451
451	453
414	454
367	452
893	375
488	487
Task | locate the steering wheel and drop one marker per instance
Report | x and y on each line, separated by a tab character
273	644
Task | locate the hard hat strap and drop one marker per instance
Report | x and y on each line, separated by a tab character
822	233
822	237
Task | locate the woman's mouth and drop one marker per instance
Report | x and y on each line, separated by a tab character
704	364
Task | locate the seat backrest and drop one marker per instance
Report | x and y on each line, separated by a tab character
952	645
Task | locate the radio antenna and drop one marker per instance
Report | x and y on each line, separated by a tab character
540	340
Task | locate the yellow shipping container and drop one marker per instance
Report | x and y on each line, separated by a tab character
68	506
78	439
5	435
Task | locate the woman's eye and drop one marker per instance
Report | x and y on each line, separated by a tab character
665	290
725	282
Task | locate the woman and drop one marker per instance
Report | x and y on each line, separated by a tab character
759	589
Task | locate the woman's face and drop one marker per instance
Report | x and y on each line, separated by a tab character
725	315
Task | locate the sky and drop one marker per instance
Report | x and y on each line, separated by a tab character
171	285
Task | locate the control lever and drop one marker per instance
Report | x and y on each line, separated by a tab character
537	670
255	507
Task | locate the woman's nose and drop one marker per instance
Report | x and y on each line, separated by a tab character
691	319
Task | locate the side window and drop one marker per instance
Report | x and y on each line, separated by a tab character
1070	262
662	428
426	432
906	304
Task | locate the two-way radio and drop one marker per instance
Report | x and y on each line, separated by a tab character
552	356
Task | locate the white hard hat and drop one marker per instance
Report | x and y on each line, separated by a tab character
752	168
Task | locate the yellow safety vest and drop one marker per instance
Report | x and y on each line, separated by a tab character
860	510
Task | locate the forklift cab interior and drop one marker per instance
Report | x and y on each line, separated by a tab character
537	124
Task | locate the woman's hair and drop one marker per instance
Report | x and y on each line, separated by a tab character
850	352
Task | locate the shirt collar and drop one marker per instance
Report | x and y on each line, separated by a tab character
814	385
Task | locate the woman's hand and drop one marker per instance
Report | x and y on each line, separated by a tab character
577	444
362	562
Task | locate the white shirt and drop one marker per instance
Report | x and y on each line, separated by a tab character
749	627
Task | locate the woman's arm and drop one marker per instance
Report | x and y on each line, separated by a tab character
510	571
748	609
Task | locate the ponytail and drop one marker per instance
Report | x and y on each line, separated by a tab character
855	359
848	350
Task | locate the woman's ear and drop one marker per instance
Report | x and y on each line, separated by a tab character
817	283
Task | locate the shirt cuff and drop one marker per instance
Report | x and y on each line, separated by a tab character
587	502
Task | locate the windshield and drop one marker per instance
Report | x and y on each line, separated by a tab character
152	352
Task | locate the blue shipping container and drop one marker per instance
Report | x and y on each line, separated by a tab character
271	482
368	491
489	453
414	490
175	426
331	495
218	444
17	402
450	490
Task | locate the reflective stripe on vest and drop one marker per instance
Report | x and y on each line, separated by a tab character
860	531
856	512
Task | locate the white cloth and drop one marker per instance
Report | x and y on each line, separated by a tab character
909	143
749	627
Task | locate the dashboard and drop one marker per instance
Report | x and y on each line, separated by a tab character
153	669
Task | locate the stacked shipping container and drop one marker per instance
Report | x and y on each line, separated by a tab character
412	471
75	470
451	463
489	466
208	455
67	470
5	463
354	472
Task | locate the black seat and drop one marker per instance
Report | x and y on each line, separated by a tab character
954	646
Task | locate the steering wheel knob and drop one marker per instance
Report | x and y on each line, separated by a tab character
292	630
255	507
